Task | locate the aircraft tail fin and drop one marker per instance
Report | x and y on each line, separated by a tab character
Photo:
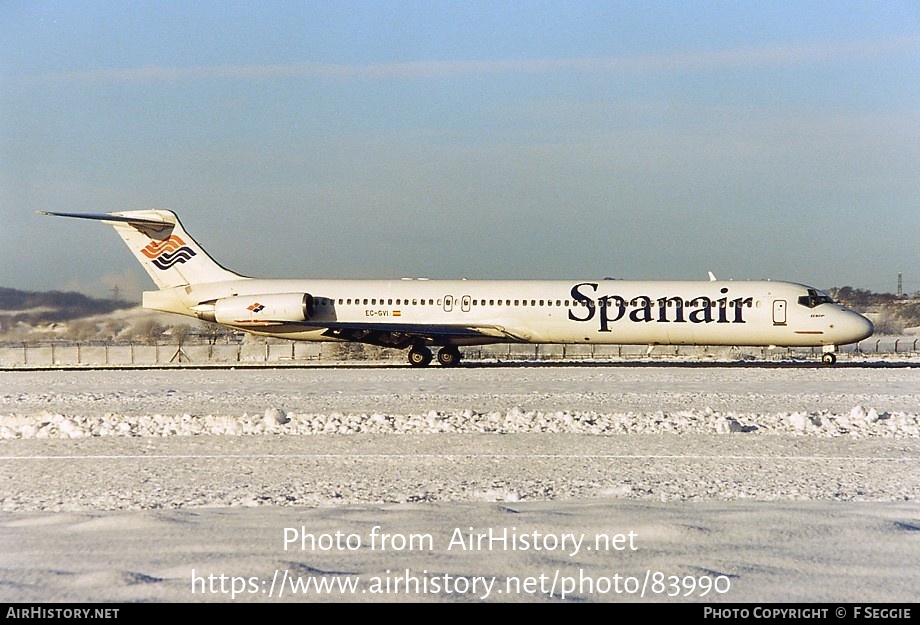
159	242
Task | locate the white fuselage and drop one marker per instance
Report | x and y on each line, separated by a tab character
751	313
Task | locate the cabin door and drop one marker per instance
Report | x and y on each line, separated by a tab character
779	312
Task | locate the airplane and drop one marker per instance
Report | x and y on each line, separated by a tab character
419	313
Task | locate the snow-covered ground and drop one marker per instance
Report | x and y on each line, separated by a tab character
714	483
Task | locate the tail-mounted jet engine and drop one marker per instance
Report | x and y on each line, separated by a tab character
258	310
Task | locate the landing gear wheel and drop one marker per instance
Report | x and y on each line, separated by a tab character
419	356
449	356
829	358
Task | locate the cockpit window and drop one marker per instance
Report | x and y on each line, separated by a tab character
815	298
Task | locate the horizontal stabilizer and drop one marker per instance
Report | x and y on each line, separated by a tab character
110	217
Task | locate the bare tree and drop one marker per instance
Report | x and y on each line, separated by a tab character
179	333
82	330
148	331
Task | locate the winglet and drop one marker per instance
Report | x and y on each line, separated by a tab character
712	278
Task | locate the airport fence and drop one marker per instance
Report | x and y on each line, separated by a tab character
64	354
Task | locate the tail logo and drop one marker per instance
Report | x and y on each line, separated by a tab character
168	253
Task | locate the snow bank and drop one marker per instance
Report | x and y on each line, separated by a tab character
274	421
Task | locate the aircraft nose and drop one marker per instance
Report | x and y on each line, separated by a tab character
855	327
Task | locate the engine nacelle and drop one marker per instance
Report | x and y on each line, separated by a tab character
260	310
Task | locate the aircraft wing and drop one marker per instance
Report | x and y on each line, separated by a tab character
401	335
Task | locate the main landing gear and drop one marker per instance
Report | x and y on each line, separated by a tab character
420	356
449	356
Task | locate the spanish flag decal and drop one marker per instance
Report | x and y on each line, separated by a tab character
397	313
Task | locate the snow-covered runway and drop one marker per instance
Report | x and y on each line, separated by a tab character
653	449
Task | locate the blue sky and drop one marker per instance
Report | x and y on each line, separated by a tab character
643	140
